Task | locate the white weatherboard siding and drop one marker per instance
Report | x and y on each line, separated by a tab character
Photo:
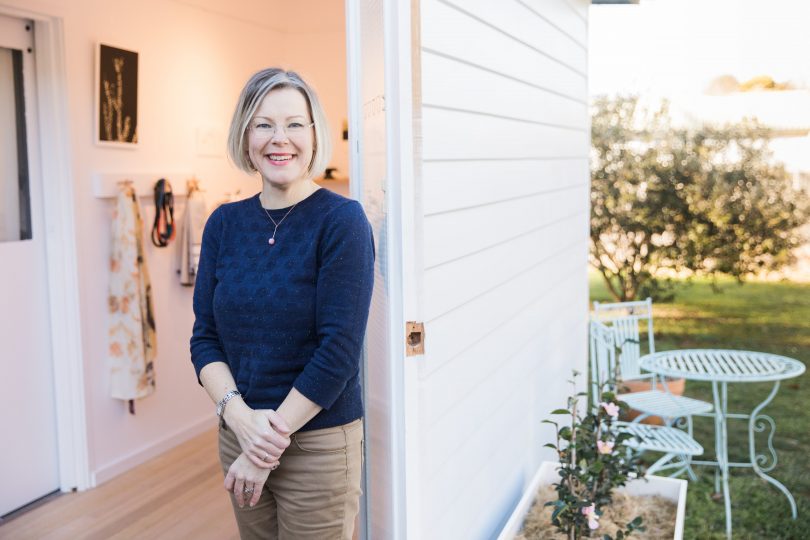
504	185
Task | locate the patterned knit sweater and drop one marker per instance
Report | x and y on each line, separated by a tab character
292	314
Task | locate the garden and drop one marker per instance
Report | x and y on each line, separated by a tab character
696	219
761	316
693	217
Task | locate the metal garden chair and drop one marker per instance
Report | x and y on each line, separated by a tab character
625	319
677	446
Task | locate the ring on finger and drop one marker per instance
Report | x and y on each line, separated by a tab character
248	489
266	455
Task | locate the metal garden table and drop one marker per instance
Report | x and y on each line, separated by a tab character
720	367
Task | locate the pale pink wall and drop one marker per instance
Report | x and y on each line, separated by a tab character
192	65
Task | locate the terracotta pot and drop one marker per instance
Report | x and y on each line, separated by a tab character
676	386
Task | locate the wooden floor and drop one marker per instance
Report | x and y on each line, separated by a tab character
175	496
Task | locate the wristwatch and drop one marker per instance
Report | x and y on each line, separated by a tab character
224	401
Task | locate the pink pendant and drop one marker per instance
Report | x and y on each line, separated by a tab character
271	241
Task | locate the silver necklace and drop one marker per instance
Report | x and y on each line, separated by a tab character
272	239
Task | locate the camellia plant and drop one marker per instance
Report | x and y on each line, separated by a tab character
593	462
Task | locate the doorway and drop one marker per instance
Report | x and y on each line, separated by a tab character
27	410
365	116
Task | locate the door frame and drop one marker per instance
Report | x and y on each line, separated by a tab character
60	247
403	108
401	25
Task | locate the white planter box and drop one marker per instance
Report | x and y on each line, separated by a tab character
669	488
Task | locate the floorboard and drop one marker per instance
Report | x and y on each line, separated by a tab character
176	495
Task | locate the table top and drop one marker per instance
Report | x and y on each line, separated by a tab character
722	365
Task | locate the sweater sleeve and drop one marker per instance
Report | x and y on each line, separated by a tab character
205	344
343	295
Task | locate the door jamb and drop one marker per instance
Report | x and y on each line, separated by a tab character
402	98
403	109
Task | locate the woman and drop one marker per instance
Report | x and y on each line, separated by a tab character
281	303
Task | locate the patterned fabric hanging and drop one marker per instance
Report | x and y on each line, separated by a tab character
190	235
132	338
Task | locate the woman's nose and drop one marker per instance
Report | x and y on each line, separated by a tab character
279	135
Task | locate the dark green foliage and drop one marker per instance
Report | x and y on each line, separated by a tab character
588	476
683	201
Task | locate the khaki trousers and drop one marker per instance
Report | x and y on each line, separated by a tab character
314	494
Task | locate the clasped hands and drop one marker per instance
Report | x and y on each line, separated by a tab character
263	436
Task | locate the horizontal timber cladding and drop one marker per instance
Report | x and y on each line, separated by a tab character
461	86
451	286
567	21
462	446
460	331
464	135
580	9
504	197
474	367
465	40
448	186
454	235
517	23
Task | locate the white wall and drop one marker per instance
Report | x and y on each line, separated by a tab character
505	186
193	62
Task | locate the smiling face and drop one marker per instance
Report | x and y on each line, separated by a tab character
280	139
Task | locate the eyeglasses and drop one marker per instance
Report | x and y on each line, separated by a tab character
264	129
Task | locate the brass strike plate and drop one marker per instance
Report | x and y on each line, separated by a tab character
414	338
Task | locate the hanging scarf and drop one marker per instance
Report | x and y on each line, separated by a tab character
190	236
163	228
132	338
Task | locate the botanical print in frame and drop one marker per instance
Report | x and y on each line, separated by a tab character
116	96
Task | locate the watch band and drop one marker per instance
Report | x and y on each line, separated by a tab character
224	401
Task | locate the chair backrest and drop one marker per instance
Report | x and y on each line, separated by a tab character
603	358
626	319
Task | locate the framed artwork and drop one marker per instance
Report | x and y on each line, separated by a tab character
116	101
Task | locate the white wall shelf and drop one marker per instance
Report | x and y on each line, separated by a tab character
106	185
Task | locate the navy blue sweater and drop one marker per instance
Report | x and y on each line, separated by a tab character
292	314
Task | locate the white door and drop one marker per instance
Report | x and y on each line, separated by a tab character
365	54
28	452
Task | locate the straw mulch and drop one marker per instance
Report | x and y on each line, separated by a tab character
658	515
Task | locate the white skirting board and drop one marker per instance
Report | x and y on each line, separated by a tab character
145	453
106	185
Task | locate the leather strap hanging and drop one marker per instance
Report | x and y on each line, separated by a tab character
163	228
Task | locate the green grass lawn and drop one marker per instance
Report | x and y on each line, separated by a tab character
769	317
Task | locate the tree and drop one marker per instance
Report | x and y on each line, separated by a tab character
669	201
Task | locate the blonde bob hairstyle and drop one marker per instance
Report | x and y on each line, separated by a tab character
258	86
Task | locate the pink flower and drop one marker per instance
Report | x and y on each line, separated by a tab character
605	447
593	519
611	408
